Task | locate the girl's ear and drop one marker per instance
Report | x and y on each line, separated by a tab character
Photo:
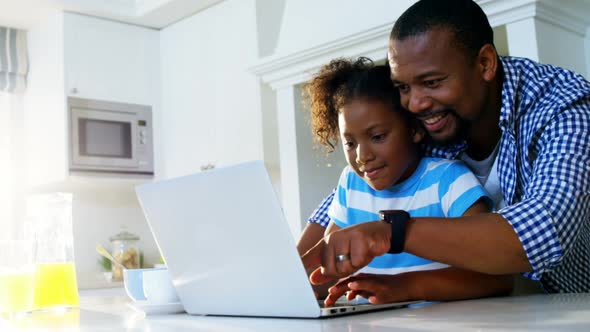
418	134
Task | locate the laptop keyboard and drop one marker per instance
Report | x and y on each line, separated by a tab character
343	302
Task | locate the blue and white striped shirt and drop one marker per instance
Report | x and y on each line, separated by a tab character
544	170
438	188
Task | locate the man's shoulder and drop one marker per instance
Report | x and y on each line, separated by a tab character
526	66
537	91
543	81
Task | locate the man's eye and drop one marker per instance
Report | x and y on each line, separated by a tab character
403	88
432	83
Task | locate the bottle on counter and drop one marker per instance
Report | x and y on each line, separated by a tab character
125	249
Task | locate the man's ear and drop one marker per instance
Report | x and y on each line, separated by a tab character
487	60
418	134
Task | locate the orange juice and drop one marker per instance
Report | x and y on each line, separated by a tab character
55	285
16	291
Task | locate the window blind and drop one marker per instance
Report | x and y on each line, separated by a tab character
14	64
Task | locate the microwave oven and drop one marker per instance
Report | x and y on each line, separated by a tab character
110	137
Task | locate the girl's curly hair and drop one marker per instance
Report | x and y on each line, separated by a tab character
338	83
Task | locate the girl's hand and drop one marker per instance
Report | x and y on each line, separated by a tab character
377	288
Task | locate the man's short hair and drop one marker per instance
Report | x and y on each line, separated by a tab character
464	18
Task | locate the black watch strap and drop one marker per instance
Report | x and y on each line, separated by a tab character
398	219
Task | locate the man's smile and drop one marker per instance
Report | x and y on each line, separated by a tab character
435	121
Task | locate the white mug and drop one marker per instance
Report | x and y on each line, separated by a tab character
158	287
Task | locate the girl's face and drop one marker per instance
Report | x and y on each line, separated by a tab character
378	142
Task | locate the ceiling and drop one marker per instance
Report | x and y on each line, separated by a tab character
156	14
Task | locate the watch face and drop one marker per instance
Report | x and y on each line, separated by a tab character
391	215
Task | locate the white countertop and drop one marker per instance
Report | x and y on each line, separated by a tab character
559	312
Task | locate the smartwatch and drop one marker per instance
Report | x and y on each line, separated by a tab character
398	220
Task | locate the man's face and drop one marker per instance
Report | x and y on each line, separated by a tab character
438	82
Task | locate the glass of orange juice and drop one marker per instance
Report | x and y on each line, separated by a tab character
17	272
50	219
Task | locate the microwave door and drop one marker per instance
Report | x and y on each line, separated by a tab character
103	140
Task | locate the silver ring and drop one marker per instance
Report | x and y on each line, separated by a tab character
342	258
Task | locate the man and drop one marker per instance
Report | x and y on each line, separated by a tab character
523	127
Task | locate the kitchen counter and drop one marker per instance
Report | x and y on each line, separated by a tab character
112	312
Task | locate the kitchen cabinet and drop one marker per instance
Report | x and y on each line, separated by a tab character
110	61
211	102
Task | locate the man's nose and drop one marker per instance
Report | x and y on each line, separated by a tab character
418	101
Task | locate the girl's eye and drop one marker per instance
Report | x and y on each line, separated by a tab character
378	138
349	145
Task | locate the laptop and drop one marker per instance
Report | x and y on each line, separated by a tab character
229	248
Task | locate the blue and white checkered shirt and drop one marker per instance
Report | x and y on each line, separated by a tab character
544	170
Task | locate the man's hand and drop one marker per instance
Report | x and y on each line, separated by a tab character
356	246
377	288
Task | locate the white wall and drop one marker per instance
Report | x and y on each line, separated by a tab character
6	172
211	103
308	23
11	153
99	212
269	16
45	109
562	47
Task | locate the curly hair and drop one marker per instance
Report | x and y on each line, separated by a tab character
337	84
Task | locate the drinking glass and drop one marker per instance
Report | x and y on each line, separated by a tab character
17	271
50	220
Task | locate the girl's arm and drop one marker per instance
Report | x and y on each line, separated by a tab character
434	285
311	235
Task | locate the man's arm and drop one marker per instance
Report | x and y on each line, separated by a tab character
483	243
